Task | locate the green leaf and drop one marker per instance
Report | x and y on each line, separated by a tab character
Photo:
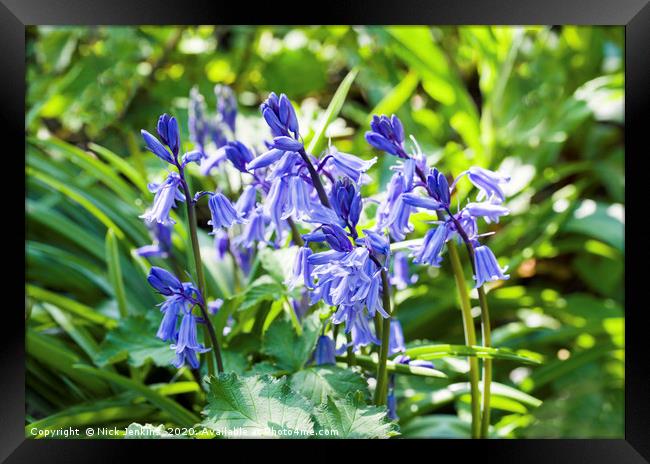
437	426
75	195
320	382
428	352
178	413
78	333
333	109
599	220
121	165
134	340
70	306
256	407
352	418
264	288
371	363
115	271
291	351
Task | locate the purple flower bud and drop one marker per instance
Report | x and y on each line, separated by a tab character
345	199
163	281
265	159
324	352
168	131
438	187
286	143
377	242
336	237
387	135
419	201
238	154
247	201
155	147
192	157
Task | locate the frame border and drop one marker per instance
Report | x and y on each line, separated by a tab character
15	15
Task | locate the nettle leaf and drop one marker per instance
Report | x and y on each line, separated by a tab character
256	406
320	382
135	340
350	417
291	351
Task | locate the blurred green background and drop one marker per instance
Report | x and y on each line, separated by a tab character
543	104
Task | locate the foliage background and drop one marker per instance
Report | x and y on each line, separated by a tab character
543	104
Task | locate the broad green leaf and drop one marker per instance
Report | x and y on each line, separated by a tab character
320	382
599	220
256	407
265	288
289	350
135	340
350	417
318	141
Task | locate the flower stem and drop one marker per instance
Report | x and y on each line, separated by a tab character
211	337
486	331
470	335
382	374
315	179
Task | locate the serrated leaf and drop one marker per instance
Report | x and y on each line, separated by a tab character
256	406
291	351
352	418
134	340
320	382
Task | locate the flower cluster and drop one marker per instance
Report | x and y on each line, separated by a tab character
180	298
414	186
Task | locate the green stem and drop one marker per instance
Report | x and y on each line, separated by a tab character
382	374
211	340
486	331
470	335
351	358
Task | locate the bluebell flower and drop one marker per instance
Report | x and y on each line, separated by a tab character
162	241
238	154
188	347
345	199
488	182
387	134
487	266
214	306
401	278
393	212
275	203
167	129
212	161
171	308
194	156
164	200
489	211
391	404
324	353
254	230
247	201
197	119
280	116
396	339
344	164
404	359
301	305
431	249
360	330
223	212
298	199
377	242
226	105
221	243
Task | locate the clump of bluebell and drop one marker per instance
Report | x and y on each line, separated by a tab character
414	186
